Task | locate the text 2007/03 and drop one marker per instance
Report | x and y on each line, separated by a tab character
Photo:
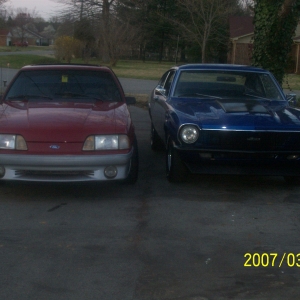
272	260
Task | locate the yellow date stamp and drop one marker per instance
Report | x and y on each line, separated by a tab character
272	260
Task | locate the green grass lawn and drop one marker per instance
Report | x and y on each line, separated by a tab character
141	70
291	81
17	61
128	69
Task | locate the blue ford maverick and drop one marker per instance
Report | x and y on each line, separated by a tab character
225	119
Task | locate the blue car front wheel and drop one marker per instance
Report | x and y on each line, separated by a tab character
155	141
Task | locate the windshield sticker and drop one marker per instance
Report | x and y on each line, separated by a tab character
64	78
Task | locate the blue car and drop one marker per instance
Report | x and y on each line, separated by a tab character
225	119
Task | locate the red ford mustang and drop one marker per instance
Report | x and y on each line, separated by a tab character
66	123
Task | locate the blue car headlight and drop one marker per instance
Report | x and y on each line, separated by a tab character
189	134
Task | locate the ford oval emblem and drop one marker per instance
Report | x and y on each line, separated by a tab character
54	147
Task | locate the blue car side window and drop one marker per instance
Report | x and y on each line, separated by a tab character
168	82
163	79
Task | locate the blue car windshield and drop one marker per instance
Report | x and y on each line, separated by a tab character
226	84
64	85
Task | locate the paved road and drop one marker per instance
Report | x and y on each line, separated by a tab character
138	86
150	241
6	74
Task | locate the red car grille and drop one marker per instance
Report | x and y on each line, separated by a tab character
23	173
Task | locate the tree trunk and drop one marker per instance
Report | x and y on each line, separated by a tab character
105	31
161	50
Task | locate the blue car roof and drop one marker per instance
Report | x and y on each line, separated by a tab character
219	67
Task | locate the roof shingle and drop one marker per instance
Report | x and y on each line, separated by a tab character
240	26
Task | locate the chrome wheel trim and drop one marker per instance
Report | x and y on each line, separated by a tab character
151	135
169	158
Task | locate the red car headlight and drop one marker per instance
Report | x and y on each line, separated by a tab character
12	142
106	142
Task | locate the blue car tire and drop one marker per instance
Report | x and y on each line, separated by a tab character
155	141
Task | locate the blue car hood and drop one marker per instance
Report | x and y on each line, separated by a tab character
236	114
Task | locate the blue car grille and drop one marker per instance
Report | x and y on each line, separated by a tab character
248	140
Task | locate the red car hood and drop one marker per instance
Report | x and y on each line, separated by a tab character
63	121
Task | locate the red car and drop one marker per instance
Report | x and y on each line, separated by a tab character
67	123
21	44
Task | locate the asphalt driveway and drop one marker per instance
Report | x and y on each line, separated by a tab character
211	238
200	240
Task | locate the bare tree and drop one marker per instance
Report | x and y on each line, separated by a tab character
202	19
121	39
105	22
99	11
21	20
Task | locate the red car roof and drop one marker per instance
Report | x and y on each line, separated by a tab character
66	67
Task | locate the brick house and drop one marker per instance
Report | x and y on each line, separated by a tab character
241	43
29	36
241	31
5	37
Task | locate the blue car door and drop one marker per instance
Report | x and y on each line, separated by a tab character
158	102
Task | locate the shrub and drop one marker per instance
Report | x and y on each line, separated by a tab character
66	48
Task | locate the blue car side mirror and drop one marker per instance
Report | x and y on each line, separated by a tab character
292	99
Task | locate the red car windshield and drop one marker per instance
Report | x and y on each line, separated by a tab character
67	85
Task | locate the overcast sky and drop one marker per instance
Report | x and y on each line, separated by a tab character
45	8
